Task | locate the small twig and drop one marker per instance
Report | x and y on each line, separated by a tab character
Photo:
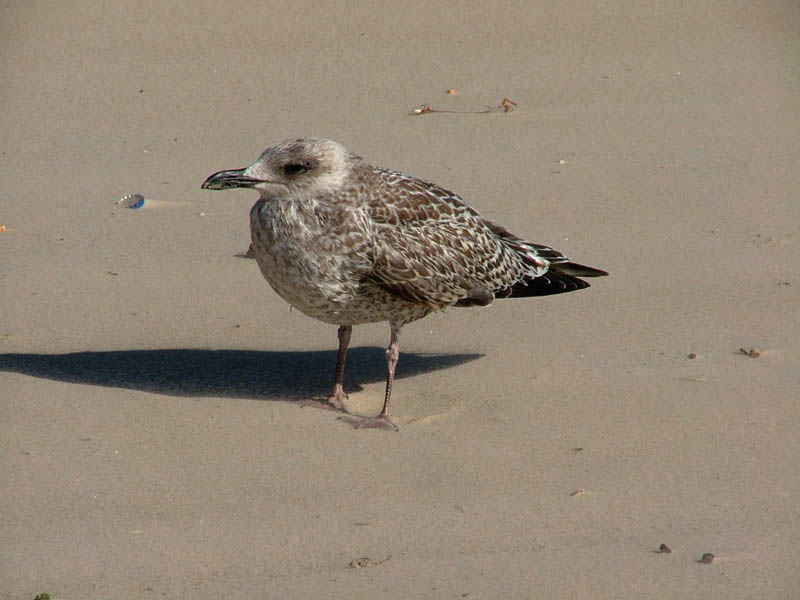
507	105
366	561
426	108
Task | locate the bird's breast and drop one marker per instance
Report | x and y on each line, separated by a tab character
313	256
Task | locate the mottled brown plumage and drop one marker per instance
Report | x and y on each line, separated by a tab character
348	243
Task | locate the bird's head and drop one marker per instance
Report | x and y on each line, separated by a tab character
311	165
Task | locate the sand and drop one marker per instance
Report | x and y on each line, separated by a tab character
152	443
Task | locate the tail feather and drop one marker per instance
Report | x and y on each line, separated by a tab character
550	271
540	257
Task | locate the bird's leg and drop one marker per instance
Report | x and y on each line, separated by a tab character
392	356
382	420
337	398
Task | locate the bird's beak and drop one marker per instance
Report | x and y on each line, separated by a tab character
225	180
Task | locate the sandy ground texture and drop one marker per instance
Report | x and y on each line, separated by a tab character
151	442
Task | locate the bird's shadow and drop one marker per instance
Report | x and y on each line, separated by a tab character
248	374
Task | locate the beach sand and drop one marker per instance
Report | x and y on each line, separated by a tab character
152	443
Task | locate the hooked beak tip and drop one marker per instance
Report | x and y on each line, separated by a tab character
225	180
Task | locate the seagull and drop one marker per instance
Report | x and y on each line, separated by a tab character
348	243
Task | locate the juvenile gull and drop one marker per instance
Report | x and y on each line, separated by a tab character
348	243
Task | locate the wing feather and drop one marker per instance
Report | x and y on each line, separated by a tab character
430	247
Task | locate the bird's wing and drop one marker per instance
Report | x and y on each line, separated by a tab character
433	248
430	247
442	262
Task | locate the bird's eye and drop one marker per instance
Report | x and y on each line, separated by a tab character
296	168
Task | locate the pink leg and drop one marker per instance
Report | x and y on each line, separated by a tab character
382	420
392	356
337	398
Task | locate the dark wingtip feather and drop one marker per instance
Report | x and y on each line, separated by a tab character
552	282
572	268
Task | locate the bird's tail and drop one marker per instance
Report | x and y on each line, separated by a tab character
550	271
